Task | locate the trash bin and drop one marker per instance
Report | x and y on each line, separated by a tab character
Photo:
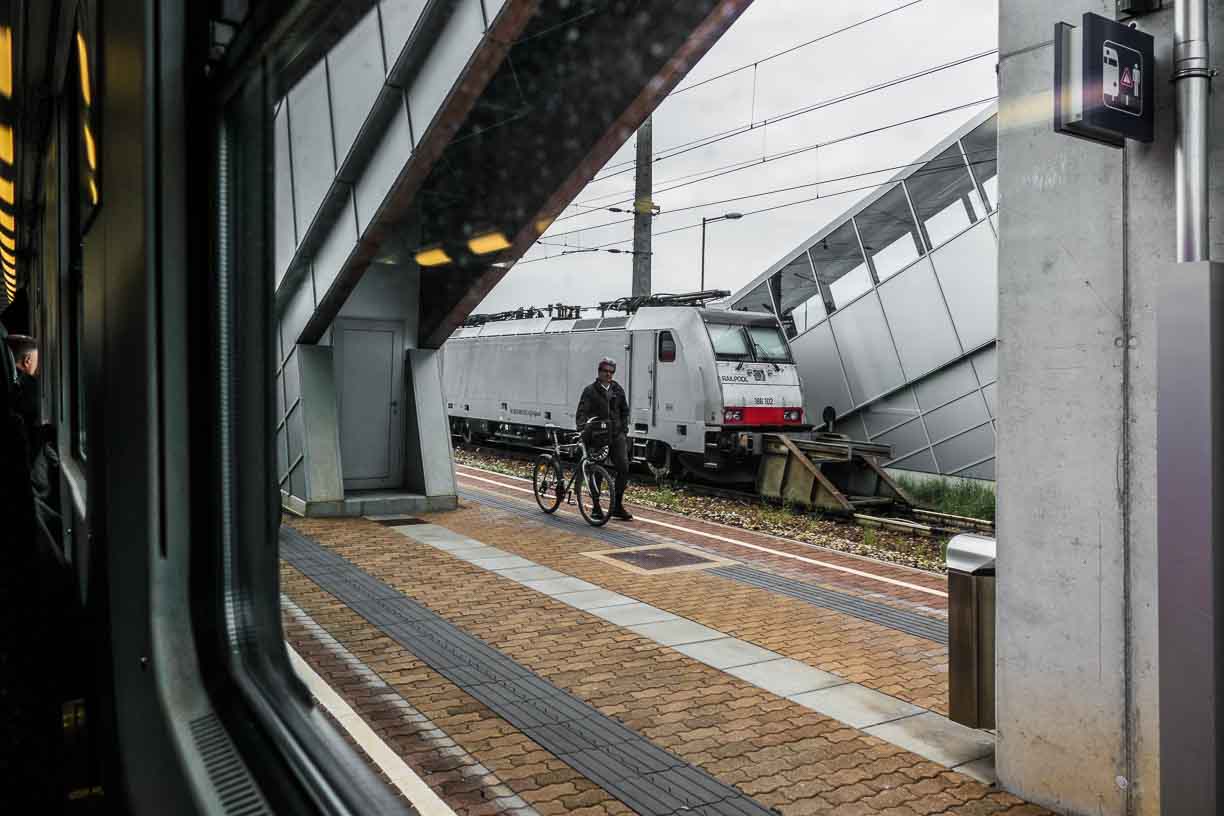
971	630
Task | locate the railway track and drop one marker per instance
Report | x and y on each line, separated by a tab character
916	522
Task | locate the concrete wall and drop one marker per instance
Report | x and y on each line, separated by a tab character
1083	230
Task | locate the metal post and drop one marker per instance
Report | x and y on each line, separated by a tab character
643	211
1190	461
1192	76
1190	534
703	223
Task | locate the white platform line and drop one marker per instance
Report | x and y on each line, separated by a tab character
402	776
745	544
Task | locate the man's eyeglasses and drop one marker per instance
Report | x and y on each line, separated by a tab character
607	371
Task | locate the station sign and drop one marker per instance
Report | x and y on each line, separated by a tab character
1103	75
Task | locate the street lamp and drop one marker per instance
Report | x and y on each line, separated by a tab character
731	216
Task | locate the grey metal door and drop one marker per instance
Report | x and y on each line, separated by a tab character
642	381
369	359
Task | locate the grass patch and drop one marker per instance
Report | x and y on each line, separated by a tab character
957	498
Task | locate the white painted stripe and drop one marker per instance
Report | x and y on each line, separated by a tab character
738	543
402	776
770	536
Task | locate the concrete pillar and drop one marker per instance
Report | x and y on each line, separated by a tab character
429	468
321	434
1085	231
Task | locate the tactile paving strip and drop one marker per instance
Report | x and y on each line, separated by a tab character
645	777
899	619
923	626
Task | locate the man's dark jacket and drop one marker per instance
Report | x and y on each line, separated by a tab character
609	404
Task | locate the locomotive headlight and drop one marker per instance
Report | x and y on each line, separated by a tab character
733	415
792	415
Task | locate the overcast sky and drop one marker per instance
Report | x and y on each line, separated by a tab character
917	37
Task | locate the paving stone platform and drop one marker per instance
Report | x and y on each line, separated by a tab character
790	706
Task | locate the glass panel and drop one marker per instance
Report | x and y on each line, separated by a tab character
968	268
945	385
839	265
921	461
399	18
967	412
768	344
807	314
919	322
981	148
821	372
758	300
851	426
730	342
962	451
986	362
355	74
889	235
310	139
904	440
985	470
286	230
798	283
891	411
945	199
867	349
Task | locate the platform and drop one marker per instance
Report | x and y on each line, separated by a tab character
372	503
523	663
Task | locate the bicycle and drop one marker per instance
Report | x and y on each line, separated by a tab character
551	487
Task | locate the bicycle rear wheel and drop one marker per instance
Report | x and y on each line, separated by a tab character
548	482
594	495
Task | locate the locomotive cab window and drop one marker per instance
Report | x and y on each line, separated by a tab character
768	344
667	347
730	342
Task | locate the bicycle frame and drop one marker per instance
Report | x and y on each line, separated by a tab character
581	467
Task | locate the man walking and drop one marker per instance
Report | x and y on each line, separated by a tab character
605	399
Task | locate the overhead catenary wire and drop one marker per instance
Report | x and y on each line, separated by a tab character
755	64
735	167
794	48
776	190
697	225
783	155
730	133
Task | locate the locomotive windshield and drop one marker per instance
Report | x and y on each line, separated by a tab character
730	342
755	341
768	344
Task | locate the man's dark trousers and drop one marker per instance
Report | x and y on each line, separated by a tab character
618	452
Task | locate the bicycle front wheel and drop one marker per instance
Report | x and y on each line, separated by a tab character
548	482
595	495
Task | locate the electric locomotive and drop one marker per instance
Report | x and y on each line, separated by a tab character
703	384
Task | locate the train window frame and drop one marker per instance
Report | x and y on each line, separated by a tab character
295	752
668	355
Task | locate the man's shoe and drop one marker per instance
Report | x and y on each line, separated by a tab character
622	514
597	514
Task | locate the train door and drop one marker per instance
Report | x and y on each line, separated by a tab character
369	365
642	382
